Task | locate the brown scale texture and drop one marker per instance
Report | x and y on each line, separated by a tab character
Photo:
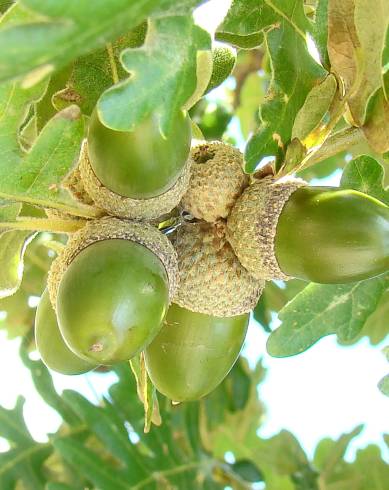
252	225
211	278
217	180
112	228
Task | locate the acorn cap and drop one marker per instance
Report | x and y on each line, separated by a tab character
126	207
252	225
217	180
212	280
112	228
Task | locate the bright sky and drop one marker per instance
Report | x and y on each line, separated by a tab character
323	392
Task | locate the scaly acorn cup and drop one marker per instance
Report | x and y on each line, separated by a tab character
211	279
252	223
51	346
332	235
139	174
217	180
283	229
111	288
193	352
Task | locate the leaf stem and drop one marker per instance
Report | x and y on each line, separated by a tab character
84	211
338	142
112	62
42	224
156	476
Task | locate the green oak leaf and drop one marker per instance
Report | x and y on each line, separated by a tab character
366	175
292	67
320	32
328	458
329	453
242	42
314	109
246	19
14	106
251	97
52	33
12	248
376	327
367	472
44	108
25	462
5	4
162	77
9	211
37	178
90	75
383	385
17	317
325	309
372	470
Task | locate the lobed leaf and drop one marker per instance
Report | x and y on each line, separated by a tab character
320	32
17	318
162	78
24	461
91	74
37	178
321	310
292	67
14	105
246	20
13	245
55	32
367	472
383	385
366	175
315	107
376	327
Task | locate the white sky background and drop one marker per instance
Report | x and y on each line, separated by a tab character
325	391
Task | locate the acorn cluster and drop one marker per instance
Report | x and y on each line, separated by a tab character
181	294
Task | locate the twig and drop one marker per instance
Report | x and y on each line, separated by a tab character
42	224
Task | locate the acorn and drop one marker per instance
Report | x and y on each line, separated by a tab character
193	352
211	279
252	225
54	353
139	174
217	180
111	288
